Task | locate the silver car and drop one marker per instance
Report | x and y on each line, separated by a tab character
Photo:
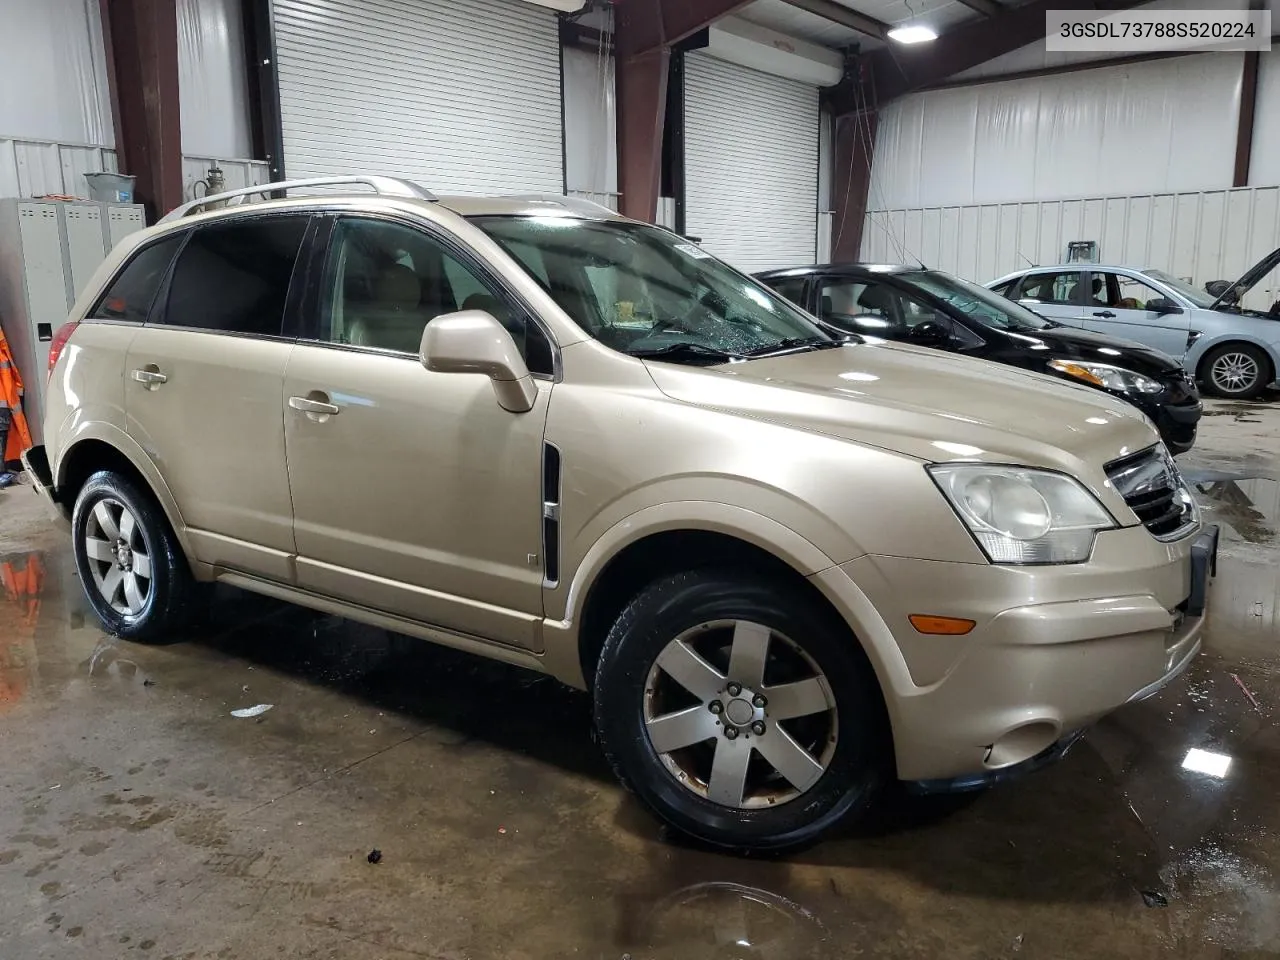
1233	351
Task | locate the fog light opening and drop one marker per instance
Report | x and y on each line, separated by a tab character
1022	743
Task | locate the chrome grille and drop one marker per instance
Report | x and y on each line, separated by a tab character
1154	490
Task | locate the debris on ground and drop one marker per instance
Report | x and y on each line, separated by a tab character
1252	698
1153	898
148	682
1017	942
502	829
255	711
375	856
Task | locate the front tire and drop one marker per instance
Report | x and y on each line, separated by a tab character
740	711
1236	371
133	571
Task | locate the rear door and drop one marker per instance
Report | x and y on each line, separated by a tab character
203	385
1126	307
1055	294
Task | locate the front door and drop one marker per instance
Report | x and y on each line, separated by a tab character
414	493
202	390
1125	307
1058	295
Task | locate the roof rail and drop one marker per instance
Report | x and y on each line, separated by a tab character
576	204
383	186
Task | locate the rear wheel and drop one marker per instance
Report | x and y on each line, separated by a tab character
1238	371
740	712
133	571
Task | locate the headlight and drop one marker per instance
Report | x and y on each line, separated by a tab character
1105	375
1021	515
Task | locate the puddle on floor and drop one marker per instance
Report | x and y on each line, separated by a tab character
1246	508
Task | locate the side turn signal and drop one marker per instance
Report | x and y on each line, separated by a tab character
942	626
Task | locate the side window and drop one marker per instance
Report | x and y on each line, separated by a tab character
234	276
384	282
792	288
131	294
1126	293
858	307
1061	288
1004	289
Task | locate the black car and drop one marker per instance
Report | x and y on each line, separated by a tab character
931	308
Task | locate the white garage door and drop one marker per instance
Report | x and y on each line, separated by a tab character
462	96
751	164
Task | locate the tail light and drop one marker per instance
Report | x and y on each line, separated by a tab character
59	341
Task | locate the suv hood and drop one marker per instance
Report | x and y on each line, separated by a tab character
1248	280
924	403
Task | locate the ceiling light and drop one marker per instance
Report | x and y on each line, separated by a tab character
1206	761
914	33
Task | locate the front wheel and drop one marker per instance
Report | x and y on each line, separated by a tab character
133	571
740	711
1237	371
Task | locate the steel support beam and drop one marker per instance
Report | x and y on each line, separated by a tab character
988	8
1244	129
144	67
839	13
855	142
895	70
645	31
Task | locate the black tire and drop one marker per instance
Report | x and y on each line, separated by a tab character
664	610
1246	391
170	589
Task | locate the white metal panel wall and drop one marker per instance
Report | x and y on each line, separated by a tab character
53	72
1215	235
462	96
751	164
1264	166
1167	125
213	88
34	168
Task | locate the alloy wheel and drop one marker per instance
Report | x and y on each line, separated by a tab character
119	557
740	715
1234	372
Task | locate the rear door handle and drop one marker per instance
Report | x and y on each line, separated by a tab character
150	376
1104	313
315	409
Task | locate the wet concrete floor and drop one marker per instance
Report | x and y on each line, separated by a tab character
138	818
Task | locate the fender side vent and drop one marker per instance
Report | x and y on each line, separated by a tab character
551	513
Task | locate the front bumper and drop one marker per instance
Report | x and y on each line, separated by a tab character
1177	424
1053	649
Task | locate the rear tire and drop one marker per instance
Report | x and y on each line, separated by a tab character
134	573
809	757
1236	371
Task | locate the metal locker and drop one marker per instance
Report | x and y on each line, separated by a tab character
86	245
122	220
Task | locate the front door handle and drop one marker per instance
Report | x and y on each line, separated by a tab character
1106	314
150	376
315	408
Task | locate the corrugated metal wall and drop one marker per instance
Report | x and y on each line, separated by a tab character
1214	235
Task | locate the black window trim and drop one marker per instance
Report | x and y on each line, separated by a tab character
155	317
91	314
308	322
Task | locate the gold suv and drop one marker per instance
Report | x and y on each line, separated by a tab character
788	567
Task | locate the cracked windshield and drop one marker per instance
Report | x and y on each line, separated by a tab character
648	292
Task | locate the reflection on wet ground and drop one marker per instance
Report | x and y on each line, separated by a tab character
139	817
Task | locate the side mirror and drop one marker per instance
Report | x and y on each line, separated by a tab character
472	341
1163	305
930	333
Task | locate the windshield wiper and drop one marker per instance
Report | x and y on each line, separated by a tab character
685	350
795	343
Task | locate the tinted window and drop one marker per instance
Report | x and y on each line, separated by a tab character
790	287
979	303
385	282
876	309
235	276
1051	287
131	295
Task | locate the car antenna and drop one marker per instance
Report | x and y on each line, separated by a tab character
1029	263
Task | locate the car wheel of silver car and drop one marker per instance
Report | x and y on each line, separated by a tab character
740	711
133	572
1236	370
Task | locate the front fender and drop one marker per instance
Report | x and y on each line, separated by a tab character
1206	343
128	448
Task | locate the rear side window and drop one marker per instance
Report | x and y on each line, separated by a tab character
234	277
790	287
134	289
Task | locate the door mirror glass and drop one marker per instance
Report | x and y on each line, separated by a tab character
930	333
1163	305
473	341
